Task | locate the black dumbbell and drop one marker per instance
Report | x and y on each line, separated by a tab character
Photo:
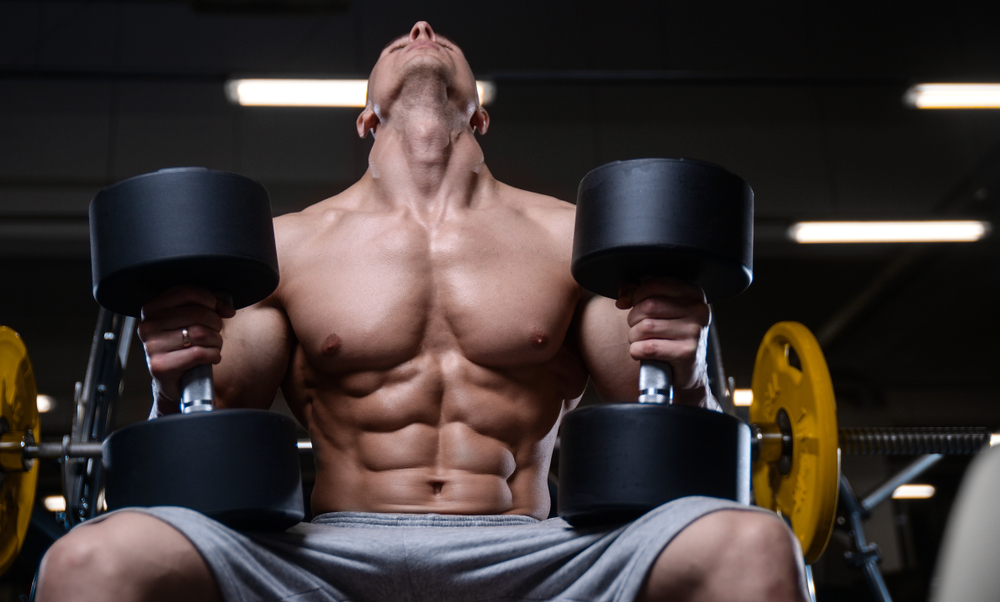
212	229
677	218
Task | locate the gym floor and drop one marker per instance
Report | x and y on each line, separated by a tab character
802	101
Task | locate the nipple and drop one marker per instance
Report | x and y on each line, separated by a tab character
539	339
331	345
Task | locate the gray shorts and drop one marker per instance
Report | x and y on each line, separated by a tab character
361	557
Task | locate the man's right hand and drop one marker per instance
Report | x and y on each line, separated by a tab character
181	329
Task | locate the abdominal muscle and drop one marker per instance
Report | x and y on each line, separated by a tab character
429	444
417	480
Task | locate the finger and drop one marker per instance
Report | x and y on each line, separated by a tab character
625	293
167	368
184	316
673	351
224	305
179	296
671	330
683	356
174	340
670	308
671	288
175	318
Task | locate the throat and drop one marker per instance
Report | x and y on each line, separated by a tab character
424	154
428	142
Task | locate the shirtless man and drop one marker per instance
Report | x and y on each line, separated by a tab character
428	334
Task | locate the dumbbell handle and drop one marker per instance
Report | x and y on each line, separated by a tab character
656	382
197	390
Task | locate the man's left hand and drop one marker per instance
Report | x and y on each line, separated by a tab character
669	321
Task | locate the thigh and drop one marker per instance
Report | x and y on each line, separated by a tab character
606	564
128	556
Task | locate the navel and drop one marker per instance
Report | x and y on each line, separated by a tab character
331	345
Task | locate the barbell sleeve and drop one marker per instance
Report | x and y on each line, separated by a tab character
29	450
51	451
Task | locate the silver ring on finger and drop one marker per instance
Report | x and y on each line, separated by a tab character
185	338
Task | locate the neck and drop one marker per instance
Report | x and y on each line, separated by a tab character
425	153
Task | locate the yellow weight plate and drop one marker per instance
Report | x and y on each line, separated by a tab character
19	409
807	494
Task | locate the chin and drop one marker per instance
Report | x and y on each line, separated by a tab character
425	68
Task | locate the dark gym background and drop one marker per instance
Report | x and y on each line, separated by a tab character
802	99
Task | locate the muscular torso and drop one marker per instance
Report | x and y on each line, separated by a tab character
431	359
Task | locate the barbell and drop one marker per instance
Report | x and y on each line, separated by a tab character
797	444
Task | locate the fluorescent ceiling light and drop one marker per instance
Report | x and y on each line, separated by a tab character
314	92
913	492
864	232
953	96
743	397
298	92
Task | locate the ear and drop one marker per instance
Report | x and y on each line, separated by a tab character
480	120
367	121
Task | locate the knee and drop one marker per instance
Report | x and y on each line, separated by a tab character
71	553
128	556
730	555
72	561
763	538
87	559
86	554
762	554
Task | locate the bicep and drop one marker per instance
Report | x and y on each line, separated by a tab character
256	348
604	348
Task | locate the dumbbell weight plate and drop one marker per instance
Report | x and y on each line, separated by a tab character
19	410
184	225
618	461
807	494
240	467
681	218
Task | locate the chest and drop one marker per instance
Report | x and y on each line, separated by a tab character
373	293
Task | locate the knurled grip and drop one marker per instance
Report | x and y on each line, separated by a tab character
656	382
887	441
197	390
